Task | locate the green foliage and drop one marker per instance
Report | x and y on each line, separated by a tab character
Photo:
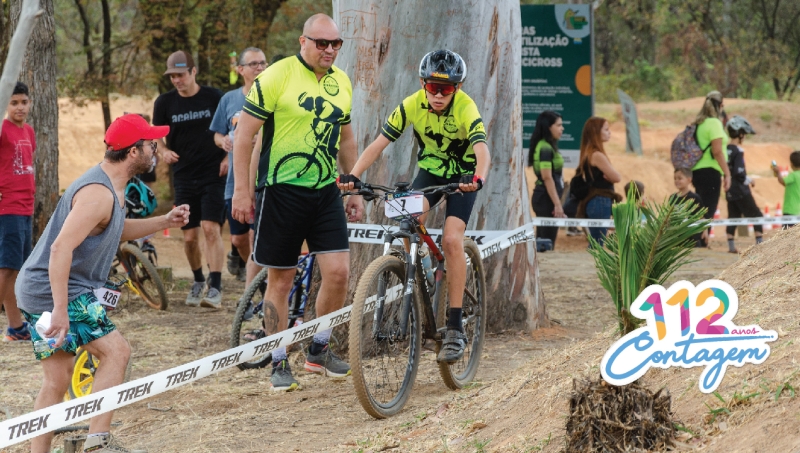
638	254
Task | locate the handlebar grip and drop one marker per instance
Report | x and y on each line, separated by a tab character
453	186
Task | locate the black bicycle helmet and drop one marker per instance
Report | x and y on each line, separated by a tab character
444	65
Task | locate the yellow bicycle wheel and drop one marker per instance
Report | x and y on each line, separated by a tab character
82	375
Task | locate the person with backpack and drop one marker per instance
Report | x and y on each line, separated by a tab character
739	197
548	165
701	147
596	174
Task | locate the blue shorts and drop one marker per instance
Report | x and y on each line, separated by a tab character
236	226
87	322
16	233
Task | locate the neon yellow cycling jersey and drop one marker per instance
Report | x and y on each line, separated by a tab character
302	122
446	141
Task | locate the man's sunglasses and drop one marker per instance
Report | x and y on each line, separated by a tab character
323	44
445	88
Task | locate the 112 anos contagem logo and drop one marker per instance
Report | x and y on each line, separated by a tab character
687	326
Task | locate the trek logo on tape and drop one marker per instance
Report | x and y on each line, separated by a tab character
687	326
27	427
339	319
83	409
225	362
268	346
308	331
134	392
182	376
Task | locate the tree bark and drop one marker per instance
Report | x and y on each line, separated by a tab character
39	73
167	25
213	47
105	82
384	42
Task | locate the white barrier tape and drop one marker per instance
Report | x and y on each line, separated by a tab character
597	223
373	234
36	423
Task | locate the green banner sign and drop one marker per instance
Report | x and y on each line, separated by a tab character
557	71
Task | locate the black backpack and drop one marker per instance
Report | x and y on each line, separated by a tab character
579	187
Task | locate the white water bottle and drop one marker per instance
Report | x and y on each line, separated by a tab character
47	344
428	267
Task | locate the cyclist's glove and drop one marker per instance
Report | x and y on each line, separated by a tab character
348	178
469	179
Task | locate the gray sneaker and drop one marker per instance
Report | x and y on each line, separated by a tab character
282	379
233	264
213	298
242	275
196	294
106	444
452	346
327	364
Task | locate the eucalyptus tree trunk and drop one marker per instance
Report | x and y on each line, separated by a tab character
383	44
39	73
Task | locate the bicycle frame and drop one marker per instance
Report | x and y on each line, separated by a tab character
301	287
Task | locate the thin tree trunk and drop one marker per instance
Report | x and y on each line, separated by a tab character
39	73
384	42
105	84
167	23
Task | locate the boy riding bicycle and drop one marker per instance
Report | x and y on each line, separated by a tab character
452	148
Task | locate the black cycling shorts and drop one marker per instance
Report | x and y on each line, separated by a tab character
237	228
287	215
206	200
458	204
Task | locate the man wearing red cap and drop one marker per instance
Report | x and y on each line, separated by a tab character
65	275
199	168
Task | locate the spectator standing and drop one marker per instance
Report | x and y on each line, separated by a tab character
198	167
791	183
548	165
252	62
596	169
739	197
682	178
17	188
304	104
712	166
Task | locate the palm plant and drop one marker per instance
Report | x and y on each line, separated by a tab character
638	254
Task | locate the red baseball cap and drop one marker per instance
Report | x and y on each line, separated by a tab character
129	129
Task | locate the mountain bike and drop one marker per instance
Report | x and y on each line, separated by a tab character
394	307
249	317
143	279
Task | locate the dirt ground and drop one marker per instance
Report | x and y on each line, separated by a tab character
235	411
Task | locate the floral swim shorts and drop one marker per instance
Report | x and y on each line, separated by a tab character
87	322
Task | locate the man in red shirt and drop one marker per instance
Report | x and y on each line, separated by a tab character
17	143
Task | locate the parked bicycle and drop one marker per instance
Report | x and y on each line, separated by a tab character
248	322
394	307
143	278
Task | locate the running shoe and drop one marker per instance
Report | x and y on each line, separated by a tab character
327	364
106	444
213	298
453	346
21	334
282	379
196	294
233	264
242	275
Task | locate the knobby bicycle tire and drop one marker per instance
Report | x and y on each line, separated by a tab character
380	391
83	370
457	375
144	276
246	303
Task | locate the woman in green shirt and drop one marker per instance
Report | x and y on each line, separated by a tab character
711	172
548	165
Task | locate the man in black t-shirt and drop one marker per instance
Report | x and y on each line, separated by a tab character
199	168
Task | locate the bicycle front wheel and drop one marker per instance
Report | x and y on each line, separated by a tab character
457	375
249	319
83	370
144	277
383	357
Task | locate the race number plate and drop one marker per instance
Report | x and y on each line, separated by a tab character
107	297
406	205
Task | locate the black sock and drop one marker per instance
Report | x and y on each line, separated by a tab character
759	239
215	279
454	319
198	275
316	348
234	251
731	245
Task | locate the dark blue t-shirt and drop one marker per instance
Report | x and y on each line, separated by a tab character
224	122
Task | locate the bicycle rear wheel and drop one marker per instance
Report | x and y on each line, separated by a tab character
143	276
383	359
83	370
457	375
249	317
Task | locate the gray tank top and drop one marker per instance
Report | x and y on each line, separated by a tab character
91	260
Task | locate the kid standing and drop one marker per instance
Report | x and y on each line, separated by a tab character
791	195
740	199
683	179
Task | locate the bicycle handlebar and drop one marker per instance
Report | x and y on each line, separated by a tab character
367	190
